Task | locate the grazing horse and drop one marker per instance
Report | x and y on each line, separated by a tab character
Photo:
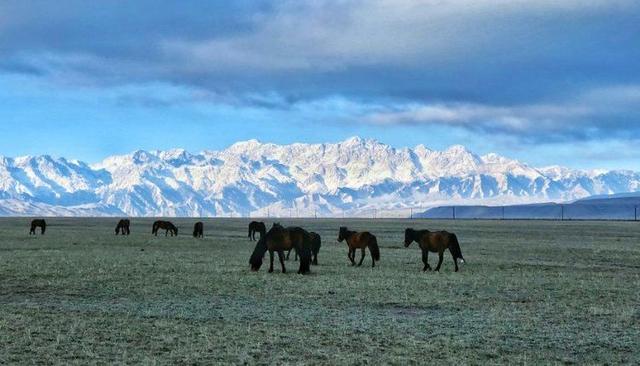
278	239
165	225
362	240
316	243
38	223
198	230
434	241
256	226
123	227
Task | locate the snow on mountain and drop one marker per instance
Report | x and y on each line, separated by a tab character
254	178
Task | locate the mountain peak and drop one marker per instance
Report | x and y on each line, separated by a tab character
250	176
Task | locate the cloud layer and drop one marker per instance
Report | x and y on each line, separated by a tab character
535	70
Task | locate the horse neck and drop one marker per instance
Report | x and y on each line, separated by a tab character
348	234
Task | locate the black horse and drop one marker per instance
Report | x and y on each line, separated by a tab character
198	230
38	223
256	226
279	239
165	225
123	227
316	243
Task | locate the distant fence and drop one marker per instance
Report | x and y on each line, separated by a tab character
620	212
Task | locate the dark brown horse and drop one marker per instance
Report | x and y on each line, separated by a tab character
198	230
165	225
436	242
278	239
38	223
316	243
123	227
362	240
256	227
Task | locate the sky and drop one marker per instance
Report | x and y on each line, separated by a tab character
546	82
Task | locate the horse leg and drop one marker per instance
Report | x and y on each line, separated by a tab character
288	253
352	256
281	256
270	261
362	257
295	258
315	258
440	257
455	261
425	260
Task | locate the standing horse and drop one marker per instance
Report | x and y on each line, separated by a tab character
165	225
123	226
436	242
38	223
278	239
316	243
198	230
256	226
362	240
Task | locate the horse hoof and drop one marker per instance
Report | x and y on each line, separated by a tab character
270	271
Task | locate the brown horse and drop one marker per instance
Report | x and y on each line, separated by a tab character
198	230
123	227
436	242
38	223
316	243
256	226
362	240
278	239
165	225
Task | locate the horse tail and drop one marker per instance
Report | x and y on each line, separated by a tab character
454	247
258	254
373	247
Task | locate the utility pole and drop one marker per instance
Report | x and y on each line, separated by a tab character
503	212
315	213
635	213
454	212
561	212
411	214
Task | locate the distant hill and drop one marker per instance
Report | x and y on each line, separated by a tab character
613	207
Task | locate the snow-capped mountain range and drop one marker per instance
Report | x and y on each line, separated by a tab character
355	177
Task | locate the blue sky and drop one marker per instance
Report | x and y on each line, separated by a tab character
547	82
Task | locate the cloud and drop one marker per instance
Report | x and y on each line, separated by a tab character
532	70
473	51
602	113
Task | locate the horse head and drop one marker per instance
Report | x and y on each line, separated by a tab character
342	234
409	236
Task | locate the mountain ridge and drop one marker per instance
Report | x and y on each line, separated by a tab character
259	179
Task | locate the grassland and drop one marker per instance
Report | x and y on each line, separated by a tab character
531	292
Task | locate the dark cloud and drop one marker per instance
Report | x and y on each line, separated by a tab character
509	54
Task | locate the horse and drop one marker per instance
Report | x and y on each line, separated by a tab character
38	223
360	240
166	225
123	226
436	242
256	226
198	230
316	243
278	239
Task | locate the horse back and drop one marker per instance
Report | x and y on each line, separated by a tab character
361	239
435	241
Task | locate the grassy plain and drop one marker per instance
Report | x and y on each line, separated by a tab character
531	292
